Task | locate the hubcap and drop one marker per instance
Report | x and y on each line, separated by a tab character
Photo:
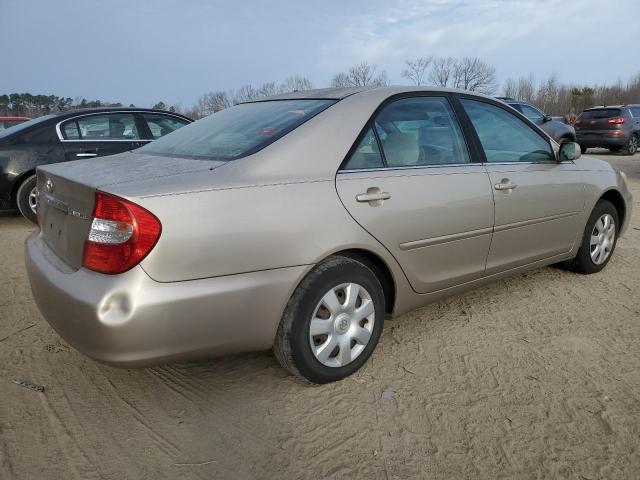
633	144
341	325
602	239
33	199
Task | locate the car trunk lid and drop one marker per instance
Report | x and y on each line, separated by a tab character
67	194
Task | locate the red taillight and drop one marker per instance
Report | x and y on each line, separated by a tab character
578	122
121	235
616	120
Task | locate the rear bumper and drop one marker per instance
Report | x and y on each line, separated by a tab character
603	140
130	320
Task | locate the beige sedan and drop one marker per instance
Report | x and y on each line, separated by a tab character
302	222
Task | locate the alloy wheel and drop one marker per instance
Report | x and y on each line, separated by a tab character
33	199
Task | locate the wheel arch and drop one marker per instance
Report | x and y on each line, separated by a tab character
379	268
18	181
616	198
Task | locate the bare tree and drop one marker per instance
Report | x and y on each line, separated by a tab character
245	93
527	88
209	103
441	73
296	83
341	80
510	88
474	75
547	92
416	69
267	89
361	75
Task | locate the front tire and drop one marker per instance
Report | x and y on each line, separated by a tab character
332	322
598	241
26	198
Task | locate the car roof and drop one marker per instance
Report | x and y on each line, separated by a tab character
341	93
83	111
605	107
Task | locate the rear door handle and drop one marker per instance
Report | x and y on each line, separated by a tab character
373	196
86	154
505	184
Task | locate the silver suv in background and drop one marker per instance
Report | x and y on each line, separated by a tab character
556	129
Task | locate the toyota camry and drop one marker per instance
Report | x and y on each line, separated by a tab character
303	222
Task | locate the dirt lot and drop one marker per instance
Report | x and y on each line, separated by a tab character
537	376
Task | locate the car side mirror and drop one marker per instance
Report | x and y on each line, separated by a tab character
569	151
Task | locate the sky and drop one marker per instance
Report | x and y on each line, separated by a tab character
144	51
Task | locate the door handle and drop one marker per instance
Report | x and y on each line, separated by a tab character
373	196
505	184
86	154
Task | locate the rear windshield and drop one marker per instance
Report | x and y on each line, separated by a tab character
600	113
23	126
237	131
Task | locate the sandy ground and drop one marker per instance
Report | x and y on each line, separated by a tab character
537	376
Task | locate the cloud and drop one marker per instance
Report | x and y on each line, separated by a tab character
172	50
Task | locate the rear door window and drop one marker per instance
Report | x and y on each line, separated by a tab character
366	155
108	127
635	111
160	125
413	132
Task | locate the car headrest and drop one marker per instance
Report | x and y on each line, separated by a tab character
401	149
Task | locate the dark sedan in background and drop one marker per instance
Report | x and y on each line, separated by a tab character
72	135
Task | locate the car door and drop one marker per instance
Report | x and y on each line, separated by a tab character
100	134
412	183
537	199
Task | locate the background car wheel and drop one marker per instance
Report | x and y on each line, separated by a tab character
26	198
599	240
583	149
615	149
632	145
332	322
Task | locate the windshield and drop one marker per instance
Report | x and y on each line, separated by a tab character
23	126
237	131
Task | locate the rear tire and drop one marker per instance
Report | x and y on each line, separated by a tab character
26	198
632	145
343	341
587	260
583	149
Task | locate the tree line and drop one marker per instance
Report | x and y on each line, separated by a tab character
467	73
